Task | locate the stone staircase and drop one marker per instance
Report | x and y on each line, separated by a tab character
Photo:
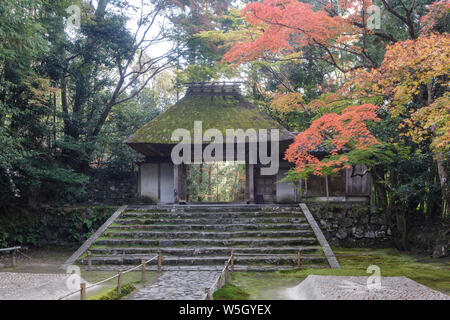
201	237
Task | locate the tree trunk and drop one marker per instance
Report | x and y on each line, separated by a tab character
444	186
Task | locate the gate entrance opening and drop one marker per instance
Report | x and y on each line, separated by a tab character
216	182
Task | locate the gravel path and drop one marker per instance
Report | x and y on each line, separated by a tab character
32	286
355	288
177	285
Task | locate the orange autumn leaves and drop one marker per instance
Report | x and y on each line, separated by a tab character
412	76
432	121
407	67
281	23
287	102
334	134
411	71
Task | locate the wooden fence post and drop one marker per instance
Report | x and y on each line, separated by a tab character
367	259
298	259
13	258
227	276
89	256
82	291
232	261
159	261
119	283
219	284
143	275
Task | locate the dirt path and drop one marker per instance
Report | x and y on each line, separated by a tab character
46	260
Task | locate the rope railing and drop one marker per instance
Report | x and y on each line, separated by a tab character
142	266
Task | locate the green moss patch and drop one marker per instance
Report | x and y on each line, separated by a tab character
429	272
231	292
114	295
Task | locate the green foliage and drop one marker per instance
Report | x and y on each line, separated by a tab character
25	227
216	182
110	151
54	88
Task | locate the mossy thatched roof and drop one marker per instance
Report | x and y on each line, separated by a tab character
215	112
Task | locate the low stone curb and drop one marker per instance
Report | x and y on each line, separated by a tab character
94	237
334	264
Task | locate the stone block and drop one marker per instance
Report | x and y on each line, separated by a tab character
341	234
440	251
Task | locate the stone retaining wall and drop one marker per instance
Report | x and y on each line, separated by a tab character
64	226
352	224
111	189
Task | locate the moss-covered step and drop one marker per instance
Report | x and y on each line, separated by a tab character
210	227
213	208
276	259
255	242
174	221
207	235
214	215
197	251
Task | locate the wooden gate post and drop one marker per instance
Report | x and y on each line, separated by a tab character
82	291
119	283
13	258
298	259
232	261
159	261
227	276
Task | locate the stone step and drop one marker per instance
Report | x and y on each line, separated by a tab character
238	268
197	251
255	242
209	221
215	215
207	235
273	259
215	208
211	227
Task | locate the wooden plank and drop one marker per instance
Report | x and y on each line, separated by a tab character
176	182
94	237
159	181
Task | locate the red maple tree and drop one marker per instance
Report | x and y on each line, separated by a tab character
335	134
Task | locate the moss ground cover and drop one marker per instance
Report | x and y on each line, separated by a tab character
269	285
